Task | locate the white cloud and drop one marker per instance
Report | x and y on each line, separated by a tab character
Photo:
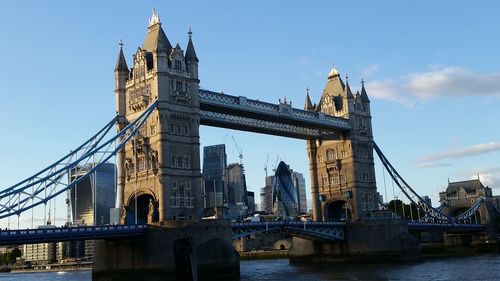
488	176
303	61
370	70
488	179
390	90
463	152
424	165
437	82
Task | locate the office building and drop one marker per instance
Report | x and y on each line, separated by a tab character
237	190
83	195
300	185
285	203
214	175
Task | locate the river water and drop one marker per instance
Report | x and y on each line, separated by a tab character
486	267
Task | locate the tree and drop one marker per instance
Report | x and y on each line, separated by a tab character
405	211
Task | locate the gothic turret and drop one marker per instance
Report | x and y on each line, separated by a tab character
191	58
121	63
165	172
121	74
332	99
308	104
341	168
347	90
364	96
156	40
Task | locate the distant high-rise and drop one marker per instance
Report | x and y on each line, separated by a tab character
285	203
300	185
237	189
84	193
214	175
266	196
427	199
251	201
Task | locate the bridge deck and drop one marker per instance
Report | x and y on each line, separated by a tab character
47	235
324	230
240	113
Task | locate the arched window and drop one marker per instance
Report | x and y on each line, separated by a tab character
331	154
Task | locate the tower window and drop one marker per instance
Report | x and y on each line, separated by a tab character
331	154
178	64
178	86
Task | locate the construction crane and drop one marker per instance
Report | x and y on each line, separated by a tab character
240	152
276	163
68	208
265	165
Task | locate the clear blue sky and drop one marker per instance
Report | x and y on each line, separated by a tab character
431	67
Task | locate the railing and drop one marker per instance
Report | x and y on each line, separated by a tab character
287	223
249	105
50	235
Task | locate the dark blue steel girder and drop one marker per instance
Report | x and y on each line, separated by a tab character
48	235
447	227
314	230
240	113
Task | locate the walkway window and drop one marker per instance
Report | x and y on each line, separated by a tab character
331	154
178	65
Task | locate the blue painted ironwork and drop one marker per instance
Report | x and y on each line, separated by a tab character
82	149
471	211
448	227
50	182
309	229
408	191
47	235
431	214
221	110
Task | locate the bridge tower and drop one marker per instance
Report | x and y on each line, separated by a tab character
159	175
342	167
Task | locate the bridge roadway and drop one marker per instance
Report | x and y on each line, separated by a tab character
308	229
241	113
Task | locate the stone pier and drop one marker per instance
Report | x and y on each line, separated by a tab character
381	240
210	255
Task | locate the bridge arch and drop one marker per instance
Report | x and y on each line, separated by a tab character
337	209
147	207
476	218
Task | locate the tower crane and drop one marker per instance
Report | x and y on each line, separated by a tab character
265	165
240	152
276	163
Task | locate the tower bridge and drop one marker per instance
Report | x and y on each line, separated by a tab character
159	108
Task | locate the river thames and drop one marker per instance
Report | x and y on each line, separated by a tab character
486	267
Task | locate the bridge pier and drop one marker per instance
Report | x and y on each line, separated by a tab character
170	251
383	240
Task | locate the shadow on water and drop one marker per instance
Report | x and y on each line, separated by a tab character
483	267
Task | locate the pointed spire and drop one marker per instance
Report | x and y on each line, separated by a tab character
156	40
333	72
348	91
121	63
190	52
154	19
308	104
364	96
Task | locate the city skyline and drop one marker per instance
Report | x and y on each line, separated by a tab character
432	83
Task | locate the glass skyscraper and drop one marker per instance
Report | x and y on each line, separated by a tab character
285	203
99	186
300	185
266	196
214	175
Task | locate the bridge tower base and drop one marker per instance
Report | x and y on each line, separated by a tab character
386	240
170	251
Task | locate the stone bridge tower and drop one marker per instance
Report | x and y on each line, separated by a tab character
341	167
159	175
